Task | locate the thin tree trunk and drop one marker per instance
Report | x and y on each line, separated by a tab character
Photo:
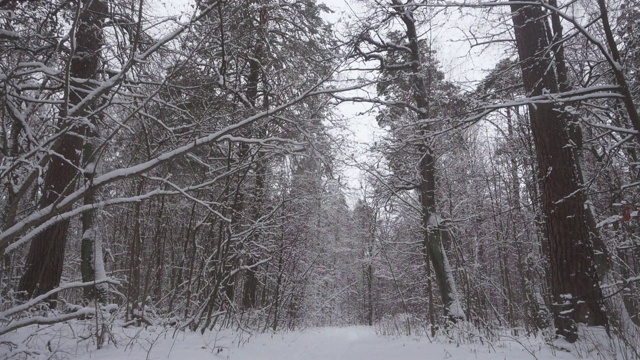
250	287
616	67
135	256
159	253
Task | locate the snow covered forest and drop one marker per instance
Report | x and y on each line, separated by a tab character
183	168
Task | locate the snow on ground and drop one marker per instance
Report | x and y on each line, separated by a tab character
329	343
347	343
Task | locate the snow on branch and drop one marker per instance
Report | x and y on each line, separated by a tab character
51	213
47	320
589	93
78	284
115	80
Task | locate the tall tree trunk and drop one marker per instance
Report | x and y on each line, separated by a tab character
602	257
576	292
46	253
135	256
250	288
433	231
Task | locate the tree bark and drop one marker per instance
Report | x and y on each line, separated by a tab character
46	253
602	257
576	292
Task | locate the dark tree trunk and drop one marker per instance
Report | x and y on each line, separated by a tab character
576	292
135	256
433	232
46	253
251	282
603	263
250	288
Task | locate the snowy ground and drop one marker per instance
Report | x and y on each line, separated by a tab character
333	343
348	343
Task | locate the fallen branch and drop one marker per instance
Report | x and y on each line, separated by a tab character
44	320
16	309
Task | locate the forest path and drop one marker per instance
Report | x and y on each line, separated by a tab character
330	343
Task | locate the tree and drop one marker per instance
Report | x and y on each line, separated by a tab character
413	89
46	253
575	288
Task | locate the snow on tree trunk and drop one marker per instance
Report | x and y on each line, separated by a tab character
454	310
93	264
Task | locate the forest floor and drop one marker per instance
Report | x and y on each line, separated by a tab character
330	343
